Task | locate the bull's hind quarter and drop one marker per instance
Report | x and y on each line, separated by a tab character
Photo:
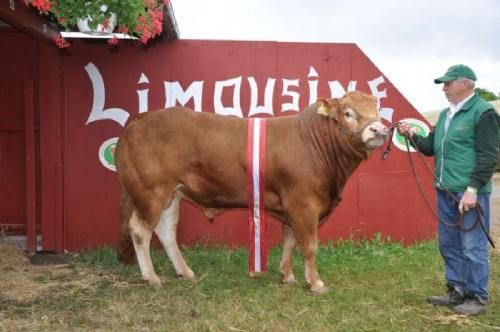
174	154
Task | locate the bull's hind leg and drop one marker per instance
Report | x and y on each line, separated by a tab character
167	233
286	263
141	237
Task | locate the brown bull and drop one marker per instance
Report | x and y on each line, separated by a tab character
176	153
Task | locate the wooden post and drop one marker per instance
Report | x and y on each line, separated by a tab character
29	125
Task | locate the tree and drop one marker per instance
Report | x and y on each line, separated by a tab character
487	94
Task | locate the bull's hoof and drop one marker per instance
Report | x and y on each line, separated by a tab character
189	275
154	281
321	290
289	280
191	278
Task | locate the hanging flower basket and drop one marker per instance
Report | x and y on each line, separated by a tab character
107	27
142	19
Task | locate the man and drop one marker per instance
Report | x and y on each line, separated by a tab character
465	144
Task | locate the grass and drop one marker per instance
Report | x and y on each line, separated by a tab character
374	286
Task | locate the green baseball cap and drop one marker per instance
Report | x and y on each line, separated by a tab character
455	72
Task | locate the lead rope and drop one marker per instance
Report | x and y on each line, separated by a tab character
459	221
389	145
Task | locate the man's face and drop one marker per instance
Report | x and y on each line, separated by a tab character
455	90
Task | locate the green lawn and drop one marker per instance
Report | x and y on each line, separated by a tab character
374	286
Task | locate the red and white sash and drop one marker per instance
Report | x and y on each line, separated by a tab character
256	153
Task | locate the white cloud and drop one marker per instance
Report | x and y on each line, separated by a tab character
410	42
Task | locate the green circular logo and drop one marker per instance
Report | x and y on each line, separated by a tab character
418	126
107	153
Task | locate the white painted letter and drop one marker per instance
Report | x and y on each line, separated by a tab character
385	112
337	90
98	112
313	85
174	94
268	98
294	105
373	84
219	107
143	94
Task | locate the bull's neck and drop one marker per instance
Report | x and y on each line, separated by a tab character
334	151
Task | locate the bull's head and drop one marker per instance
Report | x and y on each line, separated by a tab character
356	114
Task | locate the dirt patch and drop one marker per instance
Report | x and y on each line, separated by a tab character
19	278
46	258
26	289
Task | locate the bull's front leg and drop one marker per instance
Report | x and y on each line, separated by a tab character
305	230
286	263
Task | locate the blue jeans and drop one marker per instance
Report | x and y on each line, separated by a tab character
465	254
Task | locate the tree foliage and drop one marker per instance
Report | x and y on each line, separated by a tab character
487	94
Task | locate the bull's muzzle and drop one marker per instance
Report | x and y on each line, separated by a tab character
379	130
375	135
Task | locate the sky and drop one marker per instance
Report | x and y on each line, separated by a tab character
411	42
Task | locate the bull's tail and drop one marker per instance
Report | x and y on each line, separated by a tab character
126	252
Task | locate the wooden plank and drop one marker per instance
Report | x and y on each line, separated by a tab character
50	101
16	14
170	28
29	112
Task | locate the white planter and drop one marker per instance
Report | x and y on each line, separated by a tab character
83	25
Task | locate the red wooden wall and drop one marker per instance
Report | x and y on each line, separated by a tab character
17	68
79	196
31	140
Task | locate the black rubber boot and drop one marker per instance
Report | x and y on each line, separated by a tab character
451	298
471	306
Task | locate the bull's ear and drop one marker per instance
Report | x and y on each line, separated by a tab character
323	106
328	107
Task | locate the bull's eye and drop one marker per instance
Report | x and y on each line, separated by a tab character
349	114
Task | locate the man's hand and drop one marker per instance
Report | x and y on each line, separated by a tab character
468	201
404	128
